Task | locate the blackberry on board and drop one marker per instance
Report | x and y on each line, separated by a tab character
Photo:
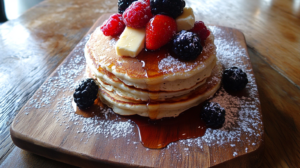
234	79
123	5
213	114
86	93
186	45
172	8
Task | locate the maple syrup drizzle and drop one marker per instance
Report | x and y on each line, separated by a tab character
150	61
157	134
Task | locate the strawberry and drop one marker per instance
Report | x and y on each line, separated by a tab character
159	31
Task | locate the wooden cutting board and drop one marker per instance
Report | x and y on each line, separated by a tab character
48	126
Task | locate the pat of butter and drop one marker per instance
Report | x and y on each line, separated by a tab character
131	42
186	20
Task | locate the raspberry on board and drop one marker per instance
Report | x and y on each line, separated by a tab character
114	26
201	30
137	14
186	45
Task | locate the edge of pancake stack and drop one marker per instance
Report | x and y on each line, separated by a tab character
153	84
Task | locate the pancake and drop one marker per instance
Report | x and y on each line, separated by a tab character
171	107
170	86
154	84
143	95
112	83
154	71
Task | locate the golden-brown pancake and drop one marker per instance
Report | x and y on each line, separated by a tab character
154	84
171	107
155	71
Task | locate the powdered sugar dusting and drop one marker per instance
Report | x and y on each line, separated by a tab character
242	113
242	120
171	64
113	41
65	82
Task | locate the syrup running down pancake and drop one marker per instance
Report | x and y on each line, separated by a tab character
154	84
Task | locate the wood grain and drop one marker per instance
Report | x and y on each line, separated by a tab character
272	34
33	46
272	28
21	159
38	131
280	105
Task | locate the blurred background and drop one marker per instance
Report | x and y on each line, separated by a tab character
12	9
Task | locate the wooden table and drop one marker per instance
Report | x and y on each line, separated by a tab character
33	45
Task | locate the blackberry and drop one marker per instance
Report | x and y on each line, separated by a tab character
234	79
123	5
213	115
86	93
172	8
186	45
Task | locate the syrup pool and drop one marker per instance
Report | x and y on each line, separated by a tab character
157	134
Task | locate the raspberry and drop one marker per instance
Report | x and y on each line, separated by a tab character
172	8
86	93
123	5
113	26
137	14
186	45
213	114
201	30
234	79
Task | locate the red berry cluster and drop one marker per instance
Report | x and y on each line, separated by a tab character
160	28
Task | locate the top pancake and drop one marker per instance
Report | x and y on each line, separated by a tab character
148	67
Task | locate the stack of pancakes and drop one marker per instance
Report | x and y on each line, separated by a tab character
154	84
